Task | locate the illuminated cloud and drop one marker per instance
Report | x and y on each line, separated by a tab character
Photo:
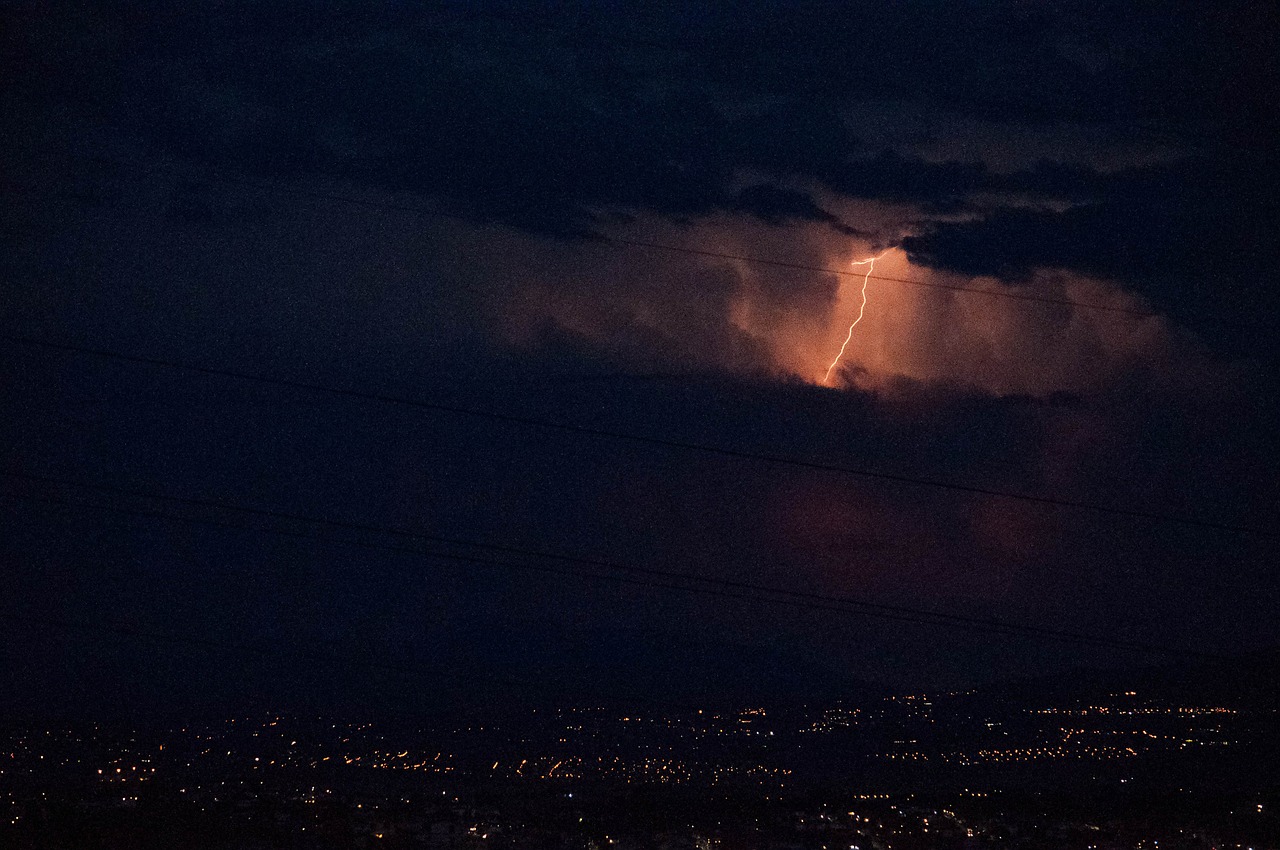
695	313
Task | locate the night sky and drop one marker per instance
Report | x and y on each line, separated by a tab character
635	220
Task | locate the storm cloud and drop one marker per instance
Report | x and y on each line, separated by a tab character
555	212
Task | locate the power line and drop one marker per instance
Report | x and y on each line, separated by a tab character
330	197
647	440
759	261
651	578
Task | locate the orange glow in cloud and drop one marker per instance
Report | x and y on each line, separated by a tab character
927	336
670	313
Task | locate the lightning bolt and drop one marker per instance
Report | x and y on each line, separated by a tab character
871	266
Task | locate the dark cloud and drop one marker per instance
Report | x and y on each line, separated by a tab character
892	177
1194	235
776	205
544	121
